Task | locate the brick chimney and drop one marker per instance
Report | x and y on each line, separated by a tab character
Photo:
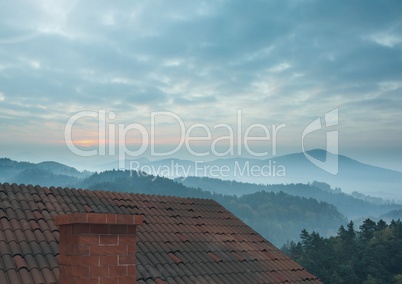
97	248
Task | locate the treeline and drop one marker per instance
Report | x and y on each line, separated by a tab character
276	216
372	254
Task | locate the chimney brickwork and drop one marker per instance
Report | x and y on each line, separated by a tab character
97	248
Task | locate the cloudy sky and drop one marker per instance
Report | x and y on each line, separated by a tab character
278	62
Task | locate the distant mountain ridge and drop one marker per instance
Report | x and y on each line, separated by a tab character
353	176
349	205
47	173
293	168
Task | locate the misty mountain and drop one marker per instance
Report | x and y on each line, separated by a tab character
394	214
349	205
43	177
44	173
352	176
58	168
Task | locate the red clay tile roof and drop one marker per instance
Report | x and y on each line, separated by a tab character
182	240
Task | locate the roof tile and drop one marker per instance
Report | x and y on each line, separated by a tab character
20	262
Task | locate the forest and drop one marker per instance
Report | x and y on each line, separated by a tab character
370	254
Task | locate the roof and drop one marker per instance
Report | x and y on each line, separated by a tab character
182	240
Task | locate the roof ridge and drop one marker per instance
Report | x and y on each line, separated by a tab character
107	191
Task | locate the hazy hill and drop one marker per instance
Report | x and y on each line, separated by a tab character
352	175
292	168
43	177
394	214
58	168
44	173
350	206
10	168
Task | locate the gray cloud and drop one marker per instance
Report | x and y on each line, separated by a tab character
280	61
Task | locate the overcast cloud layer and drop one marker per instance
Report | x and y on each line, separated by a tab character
278	61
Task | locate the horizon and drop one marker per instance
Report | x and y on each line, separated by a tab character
86	167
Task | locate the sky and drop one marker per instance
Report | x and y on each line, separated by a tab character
103	74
